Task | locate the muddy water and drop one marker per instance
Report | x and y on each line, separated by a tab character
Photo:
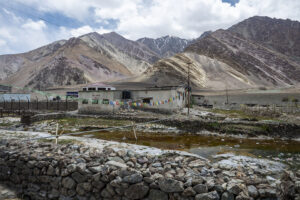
276	149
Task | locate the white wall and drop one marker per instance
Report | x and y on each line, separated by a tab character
14	97
136	96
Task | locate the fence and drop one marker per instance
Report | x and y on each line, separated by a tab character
39	105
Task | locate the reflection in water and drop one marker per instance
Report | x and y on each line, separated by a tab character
187	142
287	151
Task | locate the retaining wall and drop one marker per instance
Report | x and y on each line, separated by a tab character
47	171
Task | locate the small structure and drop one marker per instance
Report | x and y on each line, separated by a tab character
98	87
14	97
72	95
5	89
165	99
198	99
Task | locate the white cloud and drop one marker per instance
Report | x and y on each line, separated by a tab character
81	31
2	43
37	26
137	18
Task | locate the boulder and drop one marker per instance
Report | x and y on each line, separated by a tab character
157	195
208	196
134	178
252	191
79	178
171	185
189	192
235	188
116	164
68	183
200	188
197	163
227	196
137	191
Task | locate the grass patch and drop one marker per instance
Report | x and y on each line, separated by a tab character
92	122
242	114
6	124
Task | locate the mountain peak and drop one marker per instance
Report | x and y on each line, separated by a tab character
165	46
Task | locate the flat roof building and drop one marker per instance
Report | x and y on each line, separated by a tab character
165	99
5	89
98	87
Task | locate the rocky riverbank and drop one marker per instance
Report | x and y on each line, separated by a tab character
93	169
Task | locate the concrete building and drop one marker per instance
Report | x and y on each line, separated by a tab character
5	89
161	99
198	99
14	97
98	87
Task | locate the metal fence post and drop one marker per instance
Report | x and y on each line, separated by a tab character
11	107
56	134
19	106
47	102
57	105
37	103
28	105
66	103
3	103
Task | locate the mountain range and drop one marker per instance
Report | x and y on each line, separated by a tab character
259	51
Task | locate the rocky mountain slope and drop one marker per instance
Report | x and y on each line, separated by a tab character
236	58
278	35
165	46
88	58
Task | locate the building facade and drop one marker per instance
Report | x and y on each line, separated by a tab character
14	97
5	89
160	99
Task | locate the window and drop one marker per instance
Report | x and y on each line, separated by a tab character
95	101
147	100
126	95
84	89
105	101
85	101
92	89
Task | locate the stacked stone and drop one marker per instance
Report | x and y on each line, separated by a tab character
47	171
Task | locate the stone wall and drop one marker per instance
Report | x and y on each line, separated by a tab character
74	171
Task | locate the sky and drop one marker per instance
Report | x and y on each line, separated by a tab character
29	24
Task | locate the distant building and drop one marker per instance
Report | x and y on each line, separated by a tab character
14	97
106	99
98	87
198	99
72	94
5	89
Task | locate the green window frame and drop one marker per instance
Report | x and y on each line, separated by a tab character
85	101
95	101
105	101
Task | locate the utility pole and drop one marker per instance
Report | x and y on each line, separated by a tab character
227	101
189	88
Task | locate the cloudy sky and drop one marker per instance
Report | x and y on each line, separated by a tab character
28	24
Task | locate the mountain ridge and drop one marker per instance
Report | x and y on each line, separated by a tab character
224	57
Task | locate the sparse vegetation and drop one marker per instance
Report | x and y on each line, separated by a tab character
285	99
243	114
92	122
262	88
